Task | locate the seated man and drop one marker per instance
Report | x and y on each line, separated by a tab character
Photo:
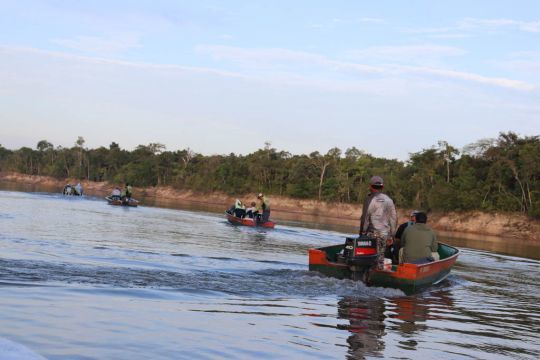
392	252
78	189
250	211
115	195
418	242
238	209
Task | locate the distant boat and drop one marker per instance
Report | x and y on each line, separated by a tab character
355	259
70	190
249	222
119	202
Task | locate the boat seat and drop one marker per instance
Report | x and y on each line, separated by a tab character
444	252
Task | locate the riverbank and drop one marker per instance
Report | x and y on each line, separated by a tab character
505	225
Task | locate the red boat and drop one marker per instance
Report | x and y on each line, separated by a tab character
355	259
119	202
249	222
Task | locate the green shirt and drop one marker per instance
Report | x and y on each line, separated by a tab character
418	241
264	204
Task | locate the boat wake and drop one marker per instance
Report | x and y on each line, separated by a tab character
15	351
265	282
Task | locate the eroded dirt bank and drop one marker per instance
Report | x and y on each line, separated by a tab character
507	225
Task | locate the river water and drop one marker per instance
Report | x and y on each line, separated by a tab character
84	280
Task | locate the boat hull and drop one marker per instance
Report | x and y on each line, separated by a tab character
249	222
408	277
116	202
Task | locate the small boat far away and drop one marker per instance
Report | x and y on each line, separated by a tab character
72	190
355	258
119	202
249	221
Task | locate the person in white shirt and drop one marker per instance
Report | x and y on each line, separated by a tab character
115	195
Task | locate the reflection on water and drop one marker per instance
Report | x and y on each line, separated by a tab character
515	247
81	279
370	320
366	325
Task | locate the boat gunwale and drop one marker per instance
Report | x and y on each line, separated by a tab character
401	269
239	221
115	202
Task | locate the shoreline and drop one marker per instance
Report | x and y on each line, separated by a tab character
500	225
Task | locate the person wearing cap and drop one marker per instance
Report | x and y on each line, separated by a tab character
263	207
379	218
393	250
419	242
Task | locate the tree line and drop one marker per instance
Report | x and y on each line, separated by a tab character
501	174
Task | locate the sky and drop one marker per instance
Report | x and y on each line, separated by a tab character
388	77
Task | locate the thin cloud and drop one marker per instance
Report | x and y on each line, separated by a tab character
177	99
526	62
339	22
225	36
371	20
405	52
100	45
293	77
450	36
501	82
106	61
270	58
527	26
264	55
468	26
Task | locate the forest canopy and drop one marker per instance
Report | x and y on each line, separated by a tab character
501	174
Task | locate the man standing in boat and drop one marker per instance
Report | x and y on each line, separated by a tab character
129	190
379	218
263	207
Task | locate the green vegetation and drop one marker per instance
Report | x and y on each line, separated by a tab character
500	174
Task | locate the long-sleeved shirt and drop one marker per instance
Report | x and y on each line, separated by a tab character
418	241
238	204
263	204
379	215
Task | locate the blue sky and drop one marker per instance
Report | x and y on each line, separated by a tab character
389	77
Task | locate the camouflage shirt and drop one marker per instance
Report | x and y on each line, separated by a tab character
379	215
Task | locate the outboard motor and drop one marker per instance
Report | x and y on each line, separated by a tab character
360	254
